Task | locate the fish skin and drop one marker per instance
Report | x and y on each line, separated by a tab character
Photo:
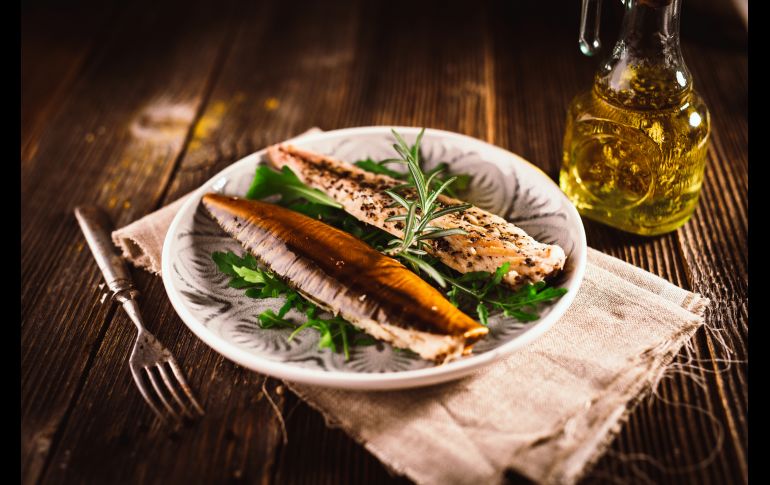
491	240
347	276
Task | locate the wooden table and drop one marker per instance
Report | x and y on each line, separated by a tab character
130	105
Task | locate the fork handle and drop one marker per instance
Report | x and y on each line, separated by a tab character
96	226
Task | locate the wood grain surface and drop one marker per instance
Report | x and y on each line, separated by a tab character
131	105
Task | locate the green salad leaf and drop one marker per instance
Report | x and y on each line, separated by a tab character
379	167
268	182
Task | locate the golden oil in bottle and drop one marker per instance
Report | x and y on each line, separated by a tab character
635	144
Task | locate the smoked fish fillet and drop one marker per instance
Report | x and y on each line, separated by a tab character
346	276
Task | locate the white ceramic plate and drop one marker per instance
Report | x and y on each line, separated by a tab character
225	319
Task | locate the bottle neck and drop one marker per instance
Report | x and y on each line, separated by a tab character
645	69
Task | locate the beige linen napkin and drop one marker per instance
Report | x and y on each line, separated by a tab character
547	411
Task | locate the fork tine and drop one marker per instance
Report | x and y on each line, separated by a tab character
167	379
185	387
143	389
160	394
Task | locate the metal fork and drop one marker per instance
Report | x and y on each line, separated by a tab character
150	361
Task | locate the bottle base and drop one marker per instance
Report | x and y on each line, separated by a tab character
648	231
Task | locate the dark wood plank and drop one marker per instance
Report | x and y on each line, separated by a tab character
263	94
715	243
56	39
538	70
113	143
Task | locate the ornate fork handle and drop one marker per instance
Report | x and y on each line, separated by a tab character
152	365
96	228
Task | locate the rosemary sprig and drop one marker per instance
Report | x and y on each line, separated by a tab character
420	211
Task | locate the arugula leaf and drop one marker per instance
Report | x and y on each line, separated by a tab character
291	302
452	295
250	275
314	210
268	319
460	184
335	332
268	182
379	167
483	313
240	284
496	279
226	261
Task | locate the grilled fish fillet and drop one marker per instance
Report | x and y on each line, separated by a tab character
346	276
490	242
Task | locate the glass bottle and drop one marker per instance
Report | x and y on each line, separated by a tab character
635	144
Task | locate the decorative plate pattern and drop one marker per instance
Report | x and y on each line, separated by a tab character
224	318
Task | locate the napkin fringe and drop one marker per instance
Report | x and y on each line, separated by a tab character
653	365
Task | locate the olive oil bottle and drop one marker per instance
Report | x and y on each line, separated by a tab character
635	144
